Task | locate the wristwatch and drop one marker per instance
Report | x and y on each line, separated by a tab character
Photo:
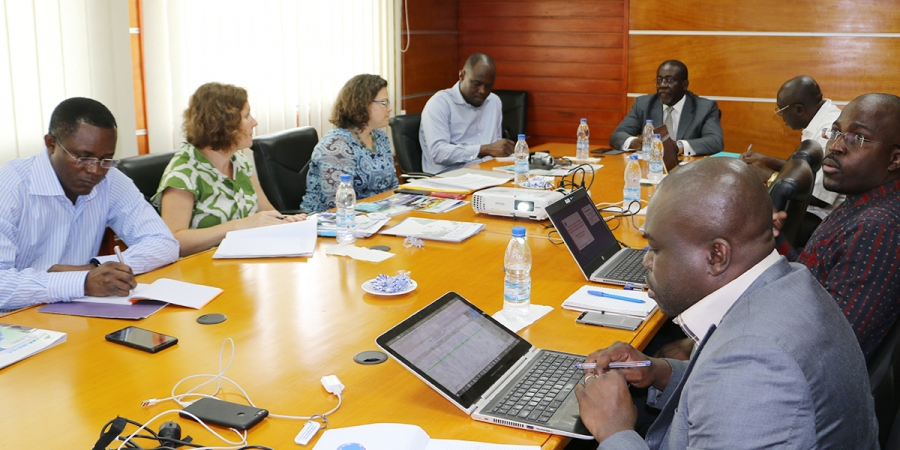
94	262
771	179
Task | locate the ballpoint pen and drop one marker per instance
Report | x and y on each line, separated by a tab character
615	365
121	260
617	297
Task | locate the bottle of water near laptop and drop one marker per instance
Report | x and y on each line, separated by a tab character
646	138
657	168
517	283
632	191
345	201
583	137
521	165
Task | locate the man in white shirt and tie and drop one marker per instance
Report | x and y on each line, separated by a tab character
693	120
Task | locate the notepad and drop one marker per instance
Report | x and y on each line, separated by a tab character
436	230
164	290
398	436
582	301
288	240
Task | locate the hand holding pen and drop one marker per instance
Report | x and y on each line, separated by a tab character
644	371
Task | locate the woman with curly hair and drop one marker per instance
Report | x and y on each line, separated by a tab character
358	146
209	187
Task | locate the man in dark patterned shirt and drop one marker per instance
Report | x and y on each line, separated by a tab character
855	252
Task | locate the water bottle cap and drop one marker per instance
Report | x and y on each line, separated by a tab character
583	120
518	231
345	178
650	122
655	136
521	137
633	157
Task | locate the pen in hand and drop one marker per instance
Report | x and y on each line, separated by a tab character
121	260
615	365
617	297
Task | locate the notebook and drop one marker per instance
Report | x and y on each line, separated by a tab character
486	370
590	241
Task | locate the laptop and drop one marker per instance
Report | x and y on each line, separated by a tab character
590	241
486	370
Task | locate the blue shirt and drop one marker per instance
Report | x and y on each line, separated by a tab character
40	227
337	153
452	131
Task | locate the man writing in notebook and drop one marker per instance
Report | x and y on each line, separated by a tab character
462	124
55	207
762	375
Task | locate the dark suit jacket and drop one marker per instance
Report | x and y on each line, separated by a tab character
699	123
782	370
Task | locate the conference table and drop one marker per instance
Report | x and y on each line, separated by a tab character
295	320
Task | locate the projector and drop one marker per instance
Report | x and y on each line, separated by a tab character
509	202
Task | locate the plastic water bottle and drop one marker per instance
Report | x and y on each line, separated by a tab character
517	283
646	137
632	191
521	166
583	138
657	168
345	199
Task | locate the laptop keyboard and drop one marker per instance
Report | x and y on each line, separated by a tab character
631	268
540	393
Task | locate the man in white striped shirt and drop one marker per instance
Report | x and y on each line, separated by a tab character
55	207
460	125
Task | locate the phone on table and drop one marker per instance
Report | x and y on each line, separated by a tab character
141	339
609	320
225	414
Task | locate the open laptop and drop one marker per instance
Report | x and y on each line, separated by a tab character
592	243
486	370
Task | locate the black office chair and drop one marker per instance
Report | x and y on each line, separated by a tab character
282	162
884	376
515	112
146	171
792	189
812	152
405	133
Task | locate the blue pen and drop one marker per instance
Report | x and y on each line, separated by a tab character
617	297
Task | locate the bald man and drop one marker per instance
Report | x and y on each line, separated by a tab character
760	376
461	125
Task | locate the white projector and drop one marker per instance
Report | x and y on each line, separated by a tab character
509	202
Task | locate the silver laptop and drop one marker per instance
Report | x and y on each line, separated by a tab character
486	370
590	241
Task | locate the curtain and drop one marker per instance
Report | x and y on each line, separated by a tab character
292	56
51	50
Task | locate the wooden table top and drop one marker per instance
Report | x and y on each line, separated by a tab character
293	321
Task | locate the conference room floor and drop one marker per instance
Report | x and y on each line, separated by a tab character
293	321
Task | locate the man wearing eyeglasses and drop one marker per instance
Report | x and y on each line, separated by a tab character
55	207
693	120
855	252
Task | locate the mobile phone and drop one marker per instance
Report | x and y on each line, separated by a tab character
609	320
225	414
141	339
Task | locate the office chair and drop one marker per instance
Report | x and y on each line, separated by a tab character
405	133
146	171
282	162
515	112
792	189
884	376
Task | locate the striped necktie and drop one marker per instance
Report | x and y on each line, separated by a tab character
669	124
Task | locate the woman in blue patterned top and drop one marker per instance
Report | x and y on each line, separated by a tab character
358	146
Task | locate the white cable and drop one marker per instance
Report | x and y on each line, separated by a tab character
408	34
234	445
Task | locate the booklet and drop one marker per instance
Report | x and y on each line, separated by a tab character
18	343
583	300
164	290
366	224
398	436
467	182
288	240
390	207
436	230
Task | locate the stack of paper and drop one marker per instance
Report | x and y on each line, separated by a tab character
397	436
18	343
366	224
582	300
290	239
436	230
468	182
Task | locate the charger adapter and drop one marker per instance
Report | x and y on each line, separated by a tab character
332	384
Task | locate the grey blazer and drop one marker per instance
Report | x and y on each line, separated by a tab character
699	123
782	370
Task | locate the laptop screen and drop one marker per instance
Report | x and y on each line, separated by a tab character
583	230
456	347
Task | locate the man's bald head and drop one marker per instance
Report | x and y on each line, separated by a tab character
479	58
476	79
801	99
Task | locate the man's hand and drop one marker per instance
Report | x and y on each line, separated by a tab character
778	219
109	279
657	375
751	157
605	405
503	147
637	143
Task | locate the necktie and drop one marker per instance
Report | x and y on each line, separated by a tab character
669	124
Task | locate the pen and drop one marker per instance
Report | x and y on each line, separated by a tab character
617	297
119	254
615	365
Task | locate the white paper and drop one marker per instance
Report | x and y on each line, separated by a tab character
439	230
581	300
164	290
18	343
359	253
535	312
290	239
469	181
398	436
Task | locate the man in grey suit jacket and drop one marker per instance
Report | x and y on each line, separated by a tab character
696	119
776	366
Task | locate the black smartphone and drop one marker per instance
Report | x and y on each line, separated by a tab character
141	339
609	320
225	414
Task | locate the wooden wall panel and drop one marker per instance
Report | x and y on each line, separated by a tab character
430	63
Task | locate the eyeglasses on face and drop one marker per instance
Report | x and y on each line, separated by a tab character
666	81
385	103
852	140
82	161
779	112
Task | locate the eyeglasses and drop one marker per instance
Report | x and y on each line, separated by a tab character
385	103
82	161
853	140
666	81
781	111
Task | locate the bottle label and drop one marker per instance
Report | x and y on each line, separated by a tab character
517	292
521	166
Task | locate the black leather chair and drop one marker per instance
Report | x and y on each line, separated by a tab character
792	189
515	112
884	379
282	162
405	133
812	152
146	171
